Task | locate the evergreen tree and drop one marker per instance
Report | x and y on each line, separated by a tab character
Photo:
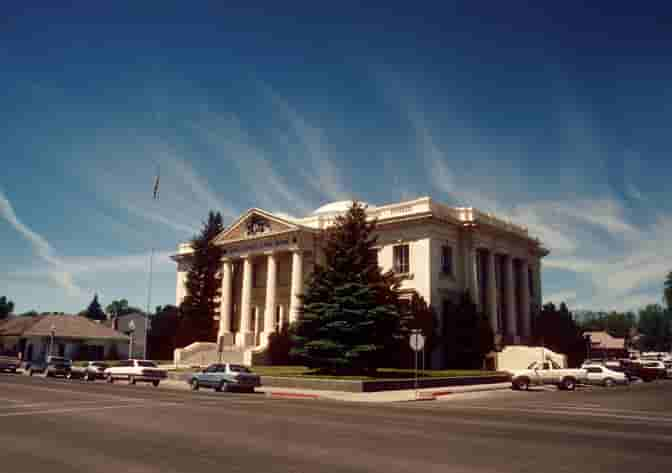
6	307
203	285
667	291
416	315
557	331
350	312
94	311
467	334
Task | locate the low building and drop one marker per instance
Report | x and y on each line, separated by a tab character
132	325
72	336
439	252
603	345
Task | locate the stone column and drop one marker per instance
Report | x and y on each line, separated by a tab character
181	290
510	298
297	285
525	298
469	267
492	293
269	311
226	303
245	335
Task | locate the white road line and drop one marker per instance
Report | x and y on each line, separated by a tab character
657	418
84	393
50	403
78	410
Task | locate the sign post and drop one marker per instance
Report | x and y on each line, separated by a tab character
417	343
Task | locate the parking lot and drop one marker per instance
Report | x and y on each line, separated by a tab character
58	425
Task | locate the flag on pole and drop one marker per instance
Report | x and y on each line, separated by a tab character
156	186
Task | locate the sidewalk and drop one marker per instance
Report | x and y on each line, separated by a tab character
405	395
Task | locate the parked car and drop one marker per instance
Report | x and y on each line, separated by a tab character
646	373
602	375
547	373
95	370
9	363
657	368
134	371
54	366
225	377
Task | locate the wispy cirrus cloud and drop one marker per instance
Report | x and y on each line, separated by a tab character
590	234
322	174
123	176
56	271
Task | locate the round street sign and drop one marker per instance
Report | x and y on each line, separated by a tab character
417	341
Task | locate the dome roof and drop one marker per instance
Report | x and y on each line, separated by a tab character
338	206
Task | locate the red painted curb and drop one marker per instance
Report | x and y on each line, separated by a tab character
292	395
441	393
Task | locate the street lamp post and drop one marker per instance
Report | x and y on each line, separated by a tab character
131	326
51	341
586	337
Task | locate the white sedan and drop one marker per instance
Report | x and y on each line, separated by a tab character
601	375
136	371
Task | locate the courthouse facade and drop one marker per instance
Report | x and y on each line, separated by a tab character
438	250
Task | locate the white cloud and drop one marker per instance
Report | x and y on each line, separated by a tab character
324	175
41	247
588	233
230	140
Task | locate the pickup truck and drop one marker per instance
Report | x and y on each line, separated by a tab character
9	363
547	373
225	377
134	371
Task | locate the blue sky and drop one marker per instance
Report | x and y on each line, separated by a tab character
557	118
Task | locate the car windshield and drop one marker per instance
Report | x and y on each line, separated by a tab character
239	369
147	364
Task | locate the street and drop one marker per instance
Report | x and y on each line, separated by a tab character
71	426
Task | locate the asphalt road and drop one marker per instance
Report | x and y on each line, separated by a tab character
58	426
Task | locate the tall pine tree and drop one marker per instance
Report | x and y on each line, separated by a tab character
94	311
350	311
203	285
467	334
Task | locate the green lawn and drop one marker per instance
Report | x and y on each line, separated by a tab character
383	373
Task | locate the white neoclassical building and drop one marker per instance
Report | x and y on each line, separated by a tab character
440	251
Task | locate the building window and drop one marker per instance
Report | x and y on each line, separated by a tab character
447	260
401	259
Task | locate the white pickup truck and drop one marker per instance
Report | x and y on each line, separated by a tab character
134	371
548	373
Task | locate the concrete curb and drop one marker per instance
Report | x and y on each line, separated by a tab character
286	395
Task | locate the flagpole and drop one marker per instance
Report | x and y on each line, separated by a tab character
155	196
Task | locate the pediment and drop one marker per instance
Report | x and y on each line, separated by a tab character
255	223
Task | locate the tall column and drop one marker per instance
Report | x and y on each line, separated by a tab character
269	310
297	285
469	267
510	298
226	304
492	293
525	298
245	335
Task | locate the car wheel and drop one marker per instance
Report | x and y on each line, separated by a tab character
522	384
194	384
608	383
110	379
45	374
131	380
68	376
155	383
569	384
221	387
